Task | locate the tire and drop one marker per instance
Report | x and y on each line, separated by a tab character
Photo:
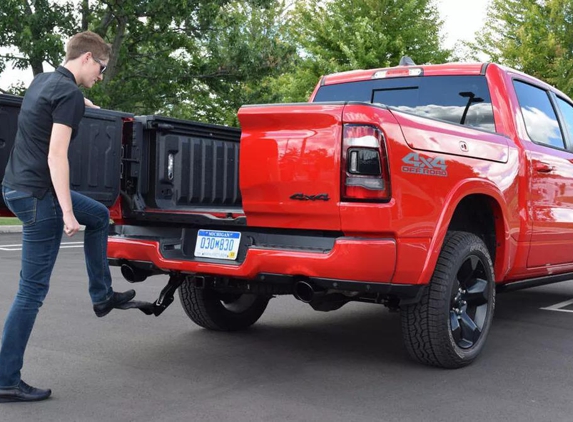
218	311
449	326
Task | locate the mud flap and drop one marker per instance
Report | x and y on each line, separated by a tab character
165	297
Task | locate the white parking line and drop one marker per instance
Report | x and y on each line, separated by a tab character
64	245
558	307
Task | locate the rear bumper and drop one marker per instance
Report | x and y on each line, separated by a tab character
331	261
326	255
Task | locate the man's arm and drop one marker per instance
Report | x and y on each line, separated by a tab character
60	174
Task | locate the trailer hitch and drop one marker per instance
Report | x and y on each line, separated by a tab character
165	297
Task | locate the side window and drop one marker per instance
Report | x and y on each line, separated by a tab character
539	116
567	111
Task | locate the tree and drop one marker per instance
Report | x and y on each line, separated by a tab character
164	56
535	37
167	54
340	35
248	47
35	29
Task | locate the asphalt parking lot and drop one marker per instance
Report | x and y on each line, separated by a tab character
295	364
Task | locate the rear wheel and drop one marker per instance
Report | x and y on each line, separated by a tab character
449	326
219	311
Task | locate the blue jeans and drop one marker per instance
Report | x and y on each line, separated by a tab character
42	228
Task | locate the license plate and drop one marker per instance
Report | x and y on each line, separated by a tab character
217	244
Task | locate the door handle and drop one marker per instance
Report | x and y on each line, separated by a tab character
542	167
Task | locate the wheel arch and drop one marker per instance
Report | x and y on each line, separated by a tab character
477	207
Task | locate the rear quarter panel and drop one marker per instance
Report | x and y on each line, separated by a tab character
428	183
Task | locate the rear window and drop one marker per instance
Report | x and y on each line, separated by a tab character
463	100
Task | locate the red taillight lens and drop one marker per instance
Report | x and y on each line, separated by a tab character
365	175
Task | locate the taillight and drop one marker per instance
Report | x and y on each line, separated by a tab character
365	175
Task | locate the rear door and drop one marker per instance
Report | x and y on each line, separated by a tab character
95	154
551	177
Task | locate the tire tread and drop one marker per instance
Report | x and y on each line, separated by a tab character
426	337
205	310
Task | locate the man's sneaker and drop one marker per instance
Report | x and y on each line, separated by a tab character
116	300
23	392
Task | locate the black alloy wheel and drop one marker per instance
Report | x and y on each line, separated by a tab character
469	304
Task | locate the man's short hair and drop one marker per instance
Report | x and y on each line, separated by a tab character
86	41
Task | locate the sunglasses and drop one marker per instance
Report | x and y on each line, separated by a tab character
102	67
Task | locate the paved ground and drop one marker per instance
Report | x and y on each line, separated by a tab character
294	365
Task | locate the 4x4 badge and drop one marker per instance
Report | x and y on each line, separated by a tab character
303	197
418	164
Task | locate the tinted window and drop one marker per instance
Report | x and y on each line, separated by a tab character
455	99
567	111
539	116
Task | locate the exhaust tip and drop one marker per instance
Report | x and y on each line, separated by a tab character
133	275
303	291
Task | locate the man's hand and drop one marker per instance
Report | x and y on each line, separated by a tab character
89	104
71	225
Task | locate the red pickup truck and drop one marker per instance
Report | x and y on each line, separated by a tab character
422	188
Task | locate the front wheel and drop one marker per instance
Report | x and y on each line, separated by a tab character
450	324
219	311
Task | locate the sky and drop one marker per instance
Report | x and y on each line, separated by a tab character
462	18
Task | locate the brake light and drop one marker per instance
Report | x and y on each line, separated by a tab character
365	175
398	72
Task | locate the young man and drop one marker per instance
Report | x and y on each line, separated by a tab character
36	188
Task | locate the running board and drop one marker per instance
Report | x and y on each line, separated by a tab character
533	282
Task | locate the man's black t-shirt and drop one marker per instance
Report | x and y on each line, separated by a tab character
51	98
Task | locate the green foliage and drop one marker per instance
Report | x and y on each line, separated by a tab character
9	221
535	37
246	49
190	58
341	35
36	29
157	47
